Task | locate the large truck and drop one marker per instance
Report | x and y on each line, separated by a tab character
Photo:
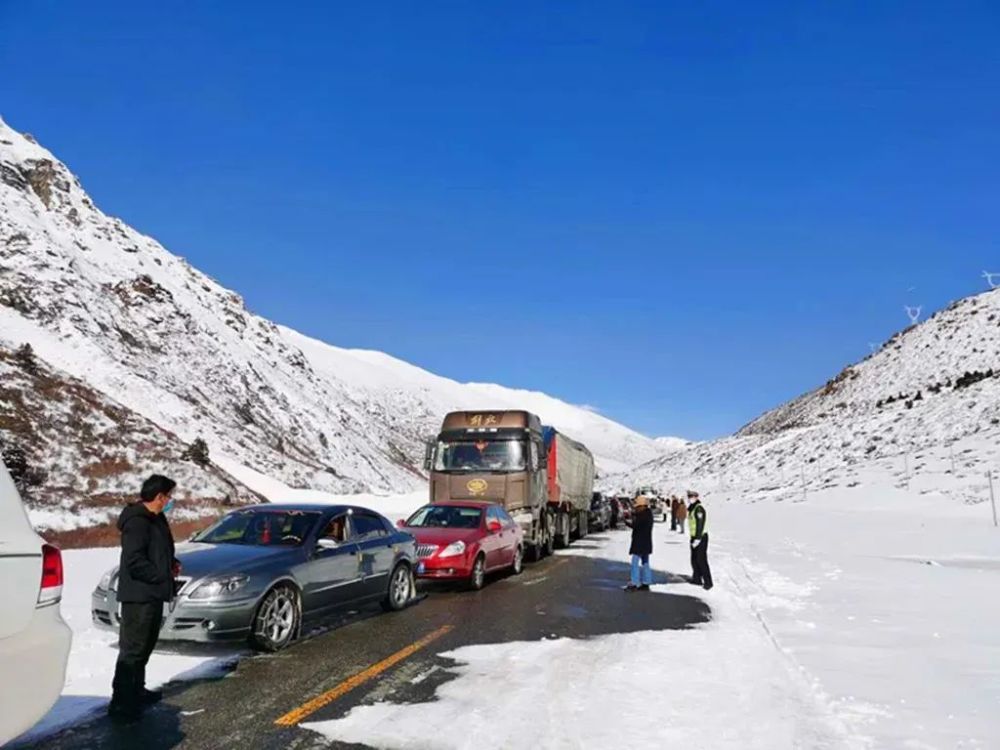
507	457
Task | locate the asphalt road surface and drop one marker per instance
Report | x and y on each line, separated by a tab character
371	656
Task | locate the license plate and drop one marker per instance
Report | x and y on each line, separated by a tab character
420	567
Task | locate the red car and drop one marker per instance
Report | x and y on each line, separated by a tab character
465	541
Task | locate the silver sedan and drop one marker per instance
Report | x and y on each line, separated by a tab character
260	572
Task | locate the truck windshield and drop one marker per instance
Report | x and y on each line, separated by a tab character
480	455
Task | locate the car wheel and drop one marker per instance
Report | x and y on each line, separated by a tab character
277	619
518	565
400	589
478	577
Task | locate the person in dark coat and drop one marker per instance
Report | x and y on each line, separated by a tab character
145	582
701	574
642	545
673	512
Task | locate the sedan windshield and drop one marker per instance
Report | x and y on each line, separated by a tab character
260	528
446	516
480	455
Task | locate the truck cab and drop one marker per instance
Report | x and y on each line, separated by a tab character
494	457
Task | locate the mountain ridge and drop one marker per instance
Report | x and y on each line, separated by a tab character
105	305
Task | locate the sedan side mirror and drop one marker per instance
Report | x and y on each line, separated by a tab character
401	523
325	543
494	526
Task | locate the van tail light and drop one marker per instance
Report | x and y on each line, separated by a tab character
52	576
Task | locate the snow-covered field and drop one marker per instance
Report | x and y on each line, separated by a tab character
859	619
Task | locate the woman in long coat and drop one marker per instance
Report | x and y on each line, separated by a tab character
642	546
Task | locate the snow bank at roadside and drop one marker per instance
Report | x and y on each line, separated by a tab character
721	685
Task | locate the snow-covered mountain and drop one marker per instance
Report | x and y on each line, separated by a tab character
933	388
108	309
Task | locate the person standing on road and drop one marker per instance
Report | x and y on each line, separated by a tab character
614	512
642	545
145	582
682	514
673	512
701	575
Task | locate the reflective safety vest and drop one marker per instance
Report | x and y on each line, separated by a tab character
693	514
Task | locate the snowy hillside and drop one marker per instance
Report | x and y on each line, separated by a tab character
931	390
103	304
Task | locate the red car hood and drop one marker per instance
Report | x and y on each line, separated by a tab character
441	536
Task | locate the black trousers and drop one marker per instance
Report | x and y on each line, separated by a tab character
700	572
140	629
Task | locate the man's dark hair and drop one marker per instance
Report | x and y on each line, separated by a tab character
154	486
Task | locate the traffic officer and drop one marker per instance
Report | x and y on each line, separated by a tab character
701	575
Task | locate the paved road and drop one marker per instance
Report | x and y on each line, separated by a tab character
370	656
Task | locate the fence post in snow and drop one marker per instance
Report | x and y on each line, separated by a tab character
993	501
802	472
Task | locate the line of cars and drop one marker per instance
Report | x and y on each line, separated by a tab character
501	487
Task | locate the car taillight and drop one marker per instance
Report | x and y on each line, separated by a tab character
52	575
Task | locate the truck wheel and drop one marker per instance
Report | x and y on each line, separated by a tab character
478	577
550	544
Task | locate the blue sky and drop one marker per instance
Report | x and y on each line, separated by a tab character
680	213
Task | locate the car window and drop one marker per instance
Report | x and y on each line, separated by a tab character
336	530
367	526
493	514
446	516
505	517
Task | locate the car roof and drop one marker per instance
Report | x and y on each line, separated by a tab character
306	507
463	503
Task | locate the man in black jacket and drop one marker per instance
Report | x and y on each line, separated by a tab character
701	575
145	582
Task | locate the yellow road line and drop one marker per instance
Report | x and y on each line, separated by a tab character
296	715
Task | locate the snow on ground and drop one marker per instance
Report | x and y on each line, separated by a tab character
884	595
863	617
722	685
392	507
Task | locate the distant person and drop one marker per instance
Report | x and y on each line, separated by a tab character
145	582
614	513
642	545
682	514
701	575
673	512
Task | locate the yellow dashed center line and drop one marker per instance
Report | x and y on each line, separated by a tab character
294	716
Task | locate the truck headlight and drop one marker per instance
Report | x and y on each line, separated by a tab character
452	550
214	588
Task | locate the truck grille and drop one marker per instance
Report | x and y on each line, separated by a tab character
426	550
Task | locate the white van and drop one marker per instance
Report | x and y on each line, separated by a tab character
34	639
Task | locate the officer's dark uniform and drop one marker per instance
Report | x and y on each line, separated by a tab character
697	525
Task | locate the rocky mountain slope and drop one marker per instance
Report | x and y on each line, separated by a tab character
108	309
932	390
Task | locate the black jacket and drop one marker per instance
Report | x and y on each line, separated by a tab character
145	572
642	532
